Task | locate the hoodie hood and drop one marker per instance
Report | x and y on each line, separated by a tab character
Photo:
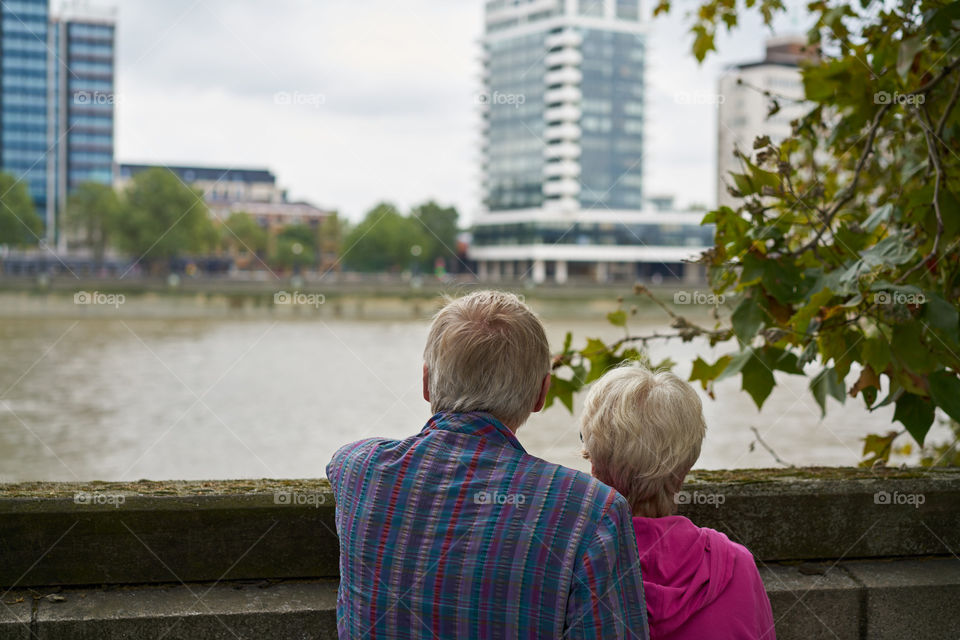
680	574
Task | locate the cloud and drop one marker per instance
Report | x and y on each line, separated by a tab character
351	102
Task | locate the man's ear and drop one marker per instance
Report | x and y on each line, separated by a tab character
542	398
426	383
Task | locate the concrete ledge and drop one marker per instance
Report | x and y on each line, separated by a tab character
304	610
862	600
813	601
112	533
812	514
160	532
910	598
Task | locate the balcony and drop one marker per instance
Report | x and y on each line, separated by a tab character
564	76
562	169
565	187
566	95
564	39
563	151
566	113
564	58
566	131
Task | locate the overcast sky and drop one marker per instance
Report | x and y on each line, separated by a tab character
381	95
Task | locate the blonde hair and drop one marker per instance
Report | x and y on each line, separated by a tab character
642	430
487	351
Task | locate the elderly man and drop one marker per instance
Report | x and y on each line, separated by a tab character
457	532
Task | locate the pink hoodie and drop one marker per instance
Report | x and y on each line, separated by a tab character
698	584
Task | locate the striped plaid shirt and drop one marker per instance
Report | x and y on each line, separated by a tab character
458	533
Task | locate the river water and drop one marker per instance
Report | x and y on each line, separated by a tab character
114	398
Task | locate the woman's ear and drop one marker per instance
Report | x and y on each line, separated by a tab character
426	383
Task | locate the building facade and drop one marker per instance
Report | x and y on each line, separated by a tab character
563	140
743	112
25	132
57	101
228	190
82	45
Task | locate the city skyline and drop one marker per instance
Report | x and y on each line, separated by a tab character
361	111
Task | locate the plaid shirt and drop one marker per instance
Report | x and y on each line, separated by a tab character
458	533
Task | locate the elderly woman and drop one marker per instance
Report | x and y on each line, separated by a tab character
642	432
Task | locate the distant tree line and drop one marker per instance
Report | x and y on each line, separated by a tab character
158	218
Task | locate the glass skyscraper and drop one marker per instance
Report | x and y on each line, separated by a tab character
57	100
25	132
563	141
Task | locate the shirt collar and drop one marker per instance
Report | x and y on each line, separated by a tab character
473	423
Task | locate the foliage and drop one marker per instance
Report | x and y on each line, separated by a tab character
384	240
94	212
295	247
439	226
164	218
330	237
842	253
19	223
240	233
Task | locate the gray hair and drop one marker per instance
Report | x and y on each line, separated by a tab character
487	351
643	430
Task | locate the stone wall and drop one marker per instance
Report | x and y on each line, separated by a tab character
844	553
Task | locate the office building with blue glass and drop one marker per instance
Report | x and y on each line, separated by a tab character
57	100
563	143
25	131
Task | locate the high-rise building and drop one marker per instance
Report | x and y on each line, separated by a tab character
25	130
57	100
82	109
563	139
743	111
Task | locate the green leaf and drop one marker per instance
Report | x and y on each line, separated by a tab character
909	48
562	390
598	354
882	214
827	383
945	391
943	316
747	319
878	448
758	380
876	353
736	363
916	414
801	319
910	348
567	341
706	373
617	318
889	252
783	282
703	43
781	360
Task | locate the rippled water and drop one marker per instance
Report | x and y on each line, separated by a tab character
123	399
